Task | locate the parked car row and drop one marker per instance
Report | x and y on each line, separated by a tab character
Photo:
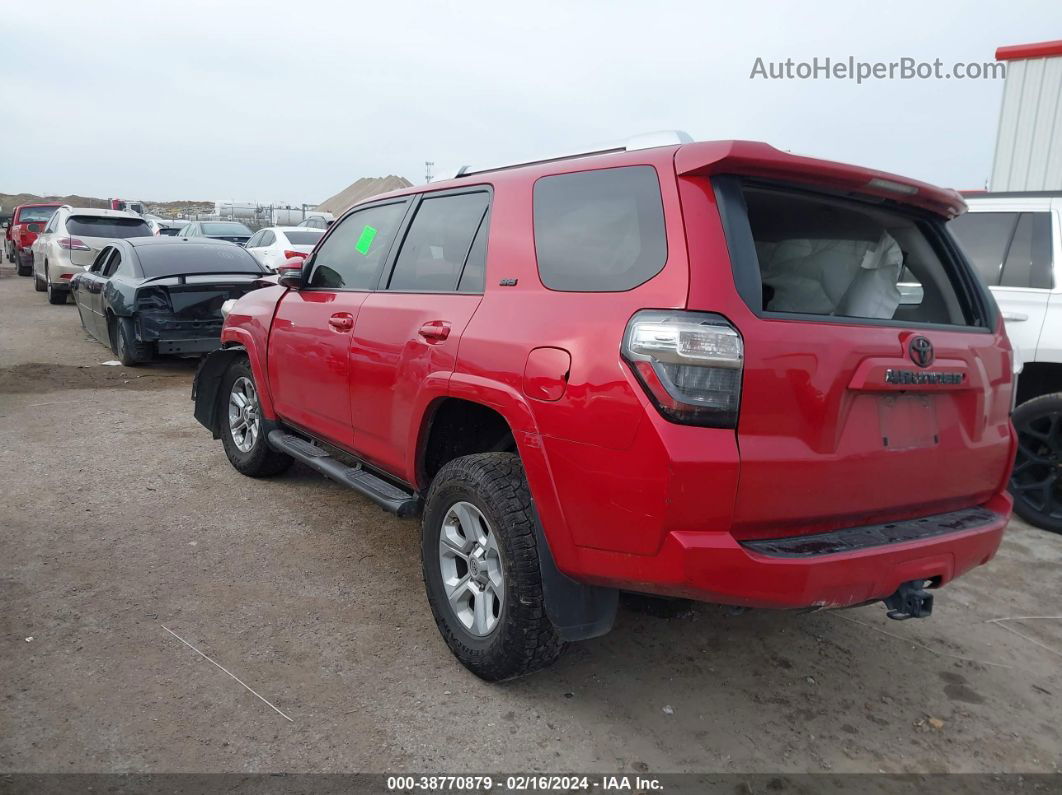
141	293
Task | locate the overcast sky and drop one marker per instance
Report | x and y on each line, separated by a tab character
292	101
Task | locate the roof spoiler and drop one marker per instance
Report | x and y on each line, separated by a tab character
755	159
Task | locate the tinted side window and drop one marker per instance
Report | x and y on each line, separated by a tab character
436	246
268	239
599	231
985	237
474	274
100	263
112	264
352	255
1028	262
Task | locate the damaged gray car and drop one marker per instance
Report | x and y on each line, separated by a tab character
157	296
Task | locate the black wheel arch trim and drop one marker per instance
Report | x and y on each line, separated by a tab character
206	386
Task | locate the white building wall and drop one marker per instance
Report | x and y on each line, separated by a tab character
1029	144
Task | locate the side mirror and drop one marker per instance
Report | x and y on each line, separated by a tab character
290	273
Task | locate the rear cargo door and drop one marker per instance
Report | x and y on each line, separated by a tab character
877	378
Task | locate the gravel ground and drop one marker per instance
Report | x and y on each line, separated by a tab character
120	516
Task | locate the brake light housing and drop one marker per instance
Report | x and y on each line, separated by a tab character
689	363
153	299
72	244
294	254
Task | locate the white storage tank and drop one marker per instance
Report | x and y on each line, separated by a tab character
237	210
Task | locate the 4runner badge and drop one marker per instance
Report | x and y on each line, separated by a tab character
915	377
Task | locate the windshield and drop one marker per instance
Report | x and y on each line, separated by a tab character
101	226
306	237
230	228
171	260
29	215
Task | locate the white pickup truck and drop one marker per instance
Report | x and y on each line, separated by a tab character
1014	241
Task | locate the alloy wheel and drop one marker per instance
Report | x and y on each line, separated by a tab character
472	572
1037	477
244	421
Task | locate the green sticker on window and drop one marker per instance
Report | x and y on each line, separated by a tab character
368	234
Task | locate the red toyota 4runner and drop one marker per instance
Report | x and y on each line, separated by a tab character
705	370
26	223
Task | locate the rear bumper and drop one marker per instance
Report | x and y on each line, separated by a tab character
715	567
172	335
60	272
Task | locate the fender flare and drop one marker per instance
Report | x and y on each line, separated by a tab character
236	337
577	610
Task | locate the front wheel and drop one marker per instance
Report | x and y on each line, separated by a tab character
1036	482
38	282
243	432
480	560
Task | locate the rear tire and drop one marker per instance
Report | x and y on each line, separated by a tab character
54	296
129	352
490	610
1036	483
243	431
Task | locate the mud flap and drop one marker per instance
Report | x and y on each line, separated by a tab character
207	384
577	611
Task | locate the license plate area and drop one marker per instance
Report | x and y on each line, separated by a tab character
908	421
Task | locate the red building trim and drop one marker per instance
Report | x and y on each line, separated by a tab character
1018	52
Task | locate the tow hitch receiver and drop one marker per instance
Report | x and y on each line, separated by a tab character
911	600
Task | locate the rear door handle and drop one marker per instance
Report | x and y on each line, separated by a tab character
1015	317
341	321
435	330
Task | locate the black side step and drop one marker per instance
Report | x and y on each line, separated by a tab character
387	496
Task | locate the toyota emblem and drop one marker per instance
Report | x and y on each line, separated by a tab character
921	351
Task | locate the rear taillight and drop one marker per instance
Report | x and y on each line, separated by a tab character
689	363
153	298
291	254
72	244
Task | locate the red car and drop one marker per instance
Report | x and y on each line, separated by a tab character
26	222
704	370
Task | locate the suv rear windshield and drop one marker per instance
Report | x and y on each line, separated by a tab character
29	215
836	257
172	260
102	226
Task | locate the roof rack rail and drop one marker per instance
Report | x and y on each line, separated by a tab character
644	141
